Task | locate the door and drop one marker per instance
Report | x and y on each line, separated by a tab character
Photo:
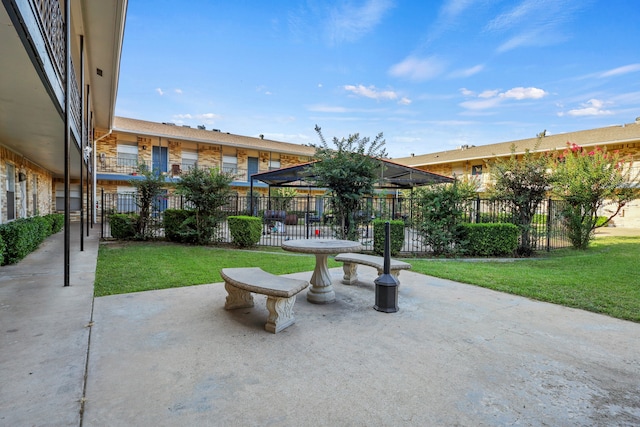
160	159
252	167
11	191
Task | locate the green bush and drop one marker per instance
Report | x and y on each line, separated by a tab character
123	226
21	237
490	239
601	220
57	222
180	226
245	230
396	233
3	248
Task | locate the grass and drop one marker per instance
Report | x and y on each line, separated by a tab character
604	279
142	266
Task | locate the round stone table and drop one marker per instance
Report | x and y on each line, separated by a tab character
321	290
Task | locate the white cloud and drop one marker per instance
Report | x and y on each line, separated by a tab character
491	98
417	69
371	92
524	93
466	72
160	91
350	23
593	107
178	91
404	101
631	68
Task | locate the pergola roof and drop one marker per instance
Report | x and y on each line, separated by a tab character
393	175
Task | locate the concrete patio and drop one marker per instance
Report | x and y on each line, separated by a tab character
454	354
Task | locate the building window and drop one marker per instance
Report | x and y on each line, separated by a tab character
274	164
126	202
189	160
75	196
11	192
127	156
476	170
230	164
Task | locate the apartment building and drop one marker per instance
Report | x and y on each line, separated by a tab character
471	161
51	101
172	150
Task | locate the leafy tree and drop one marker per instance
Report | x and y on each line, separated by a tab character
349	172
588	180
439	214
281	198
148	191
206	190
523	183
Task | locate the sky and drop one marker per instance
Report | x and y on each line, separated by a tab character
430	75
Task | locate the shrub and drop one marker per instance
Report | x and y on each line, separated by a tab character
497	239
123	226
396	233
56	220
180	226
245	230
21	237
3	248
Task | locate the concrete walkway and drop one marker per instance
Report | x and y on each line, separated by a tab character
453	355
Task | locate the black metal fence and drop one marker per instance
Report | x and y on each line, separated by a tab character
311	217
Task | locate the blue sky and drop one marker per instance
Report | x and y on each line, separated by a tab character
430	75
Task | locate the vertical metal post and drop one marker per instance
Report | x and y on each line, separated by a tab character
386	284
102	214
82	142
548	225
67	138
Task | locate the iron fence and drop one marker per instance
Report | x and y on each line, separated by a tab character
310	217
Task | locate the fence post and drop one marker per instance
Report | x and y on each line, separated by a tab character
478	210
102	213
549	225
306	215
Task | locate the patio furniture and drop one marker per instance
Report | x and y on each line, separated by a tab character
280	291
321	290
351	261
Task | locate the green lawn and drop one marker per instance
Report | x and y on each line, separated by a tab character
604	279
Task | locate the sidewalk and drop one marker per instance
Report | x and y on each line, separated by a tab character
454	354
45	334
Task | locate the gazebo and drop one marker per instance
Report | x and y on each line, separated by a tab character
392	176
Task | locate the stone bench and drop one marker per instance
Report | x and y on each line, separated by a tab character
280	291
351	261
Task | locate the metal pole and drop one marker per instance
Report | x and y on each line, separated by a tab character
82	142
67	137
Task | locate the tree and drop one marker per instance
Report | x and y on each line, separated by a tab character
588	180
206	190
349	171
148	191
523	183
439	215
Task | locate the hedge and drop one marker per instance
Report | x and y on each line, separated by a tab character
123	226
245	230
396	233
180	226
21	237
490	239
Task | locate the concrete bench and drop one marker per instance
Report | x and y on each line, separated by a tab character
280	291
351	261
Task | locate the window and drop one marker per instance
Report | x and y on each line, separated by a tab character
127	156
189	160
75	195
476	170
274	164
126	199
230	164
11	192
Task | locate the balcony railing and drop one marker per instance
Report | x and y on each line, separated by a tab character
50	21
118	165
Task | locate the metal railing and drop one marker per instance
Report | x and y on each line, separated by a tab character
310	217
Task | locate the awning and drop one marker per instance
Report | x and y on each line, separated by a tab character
393	175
